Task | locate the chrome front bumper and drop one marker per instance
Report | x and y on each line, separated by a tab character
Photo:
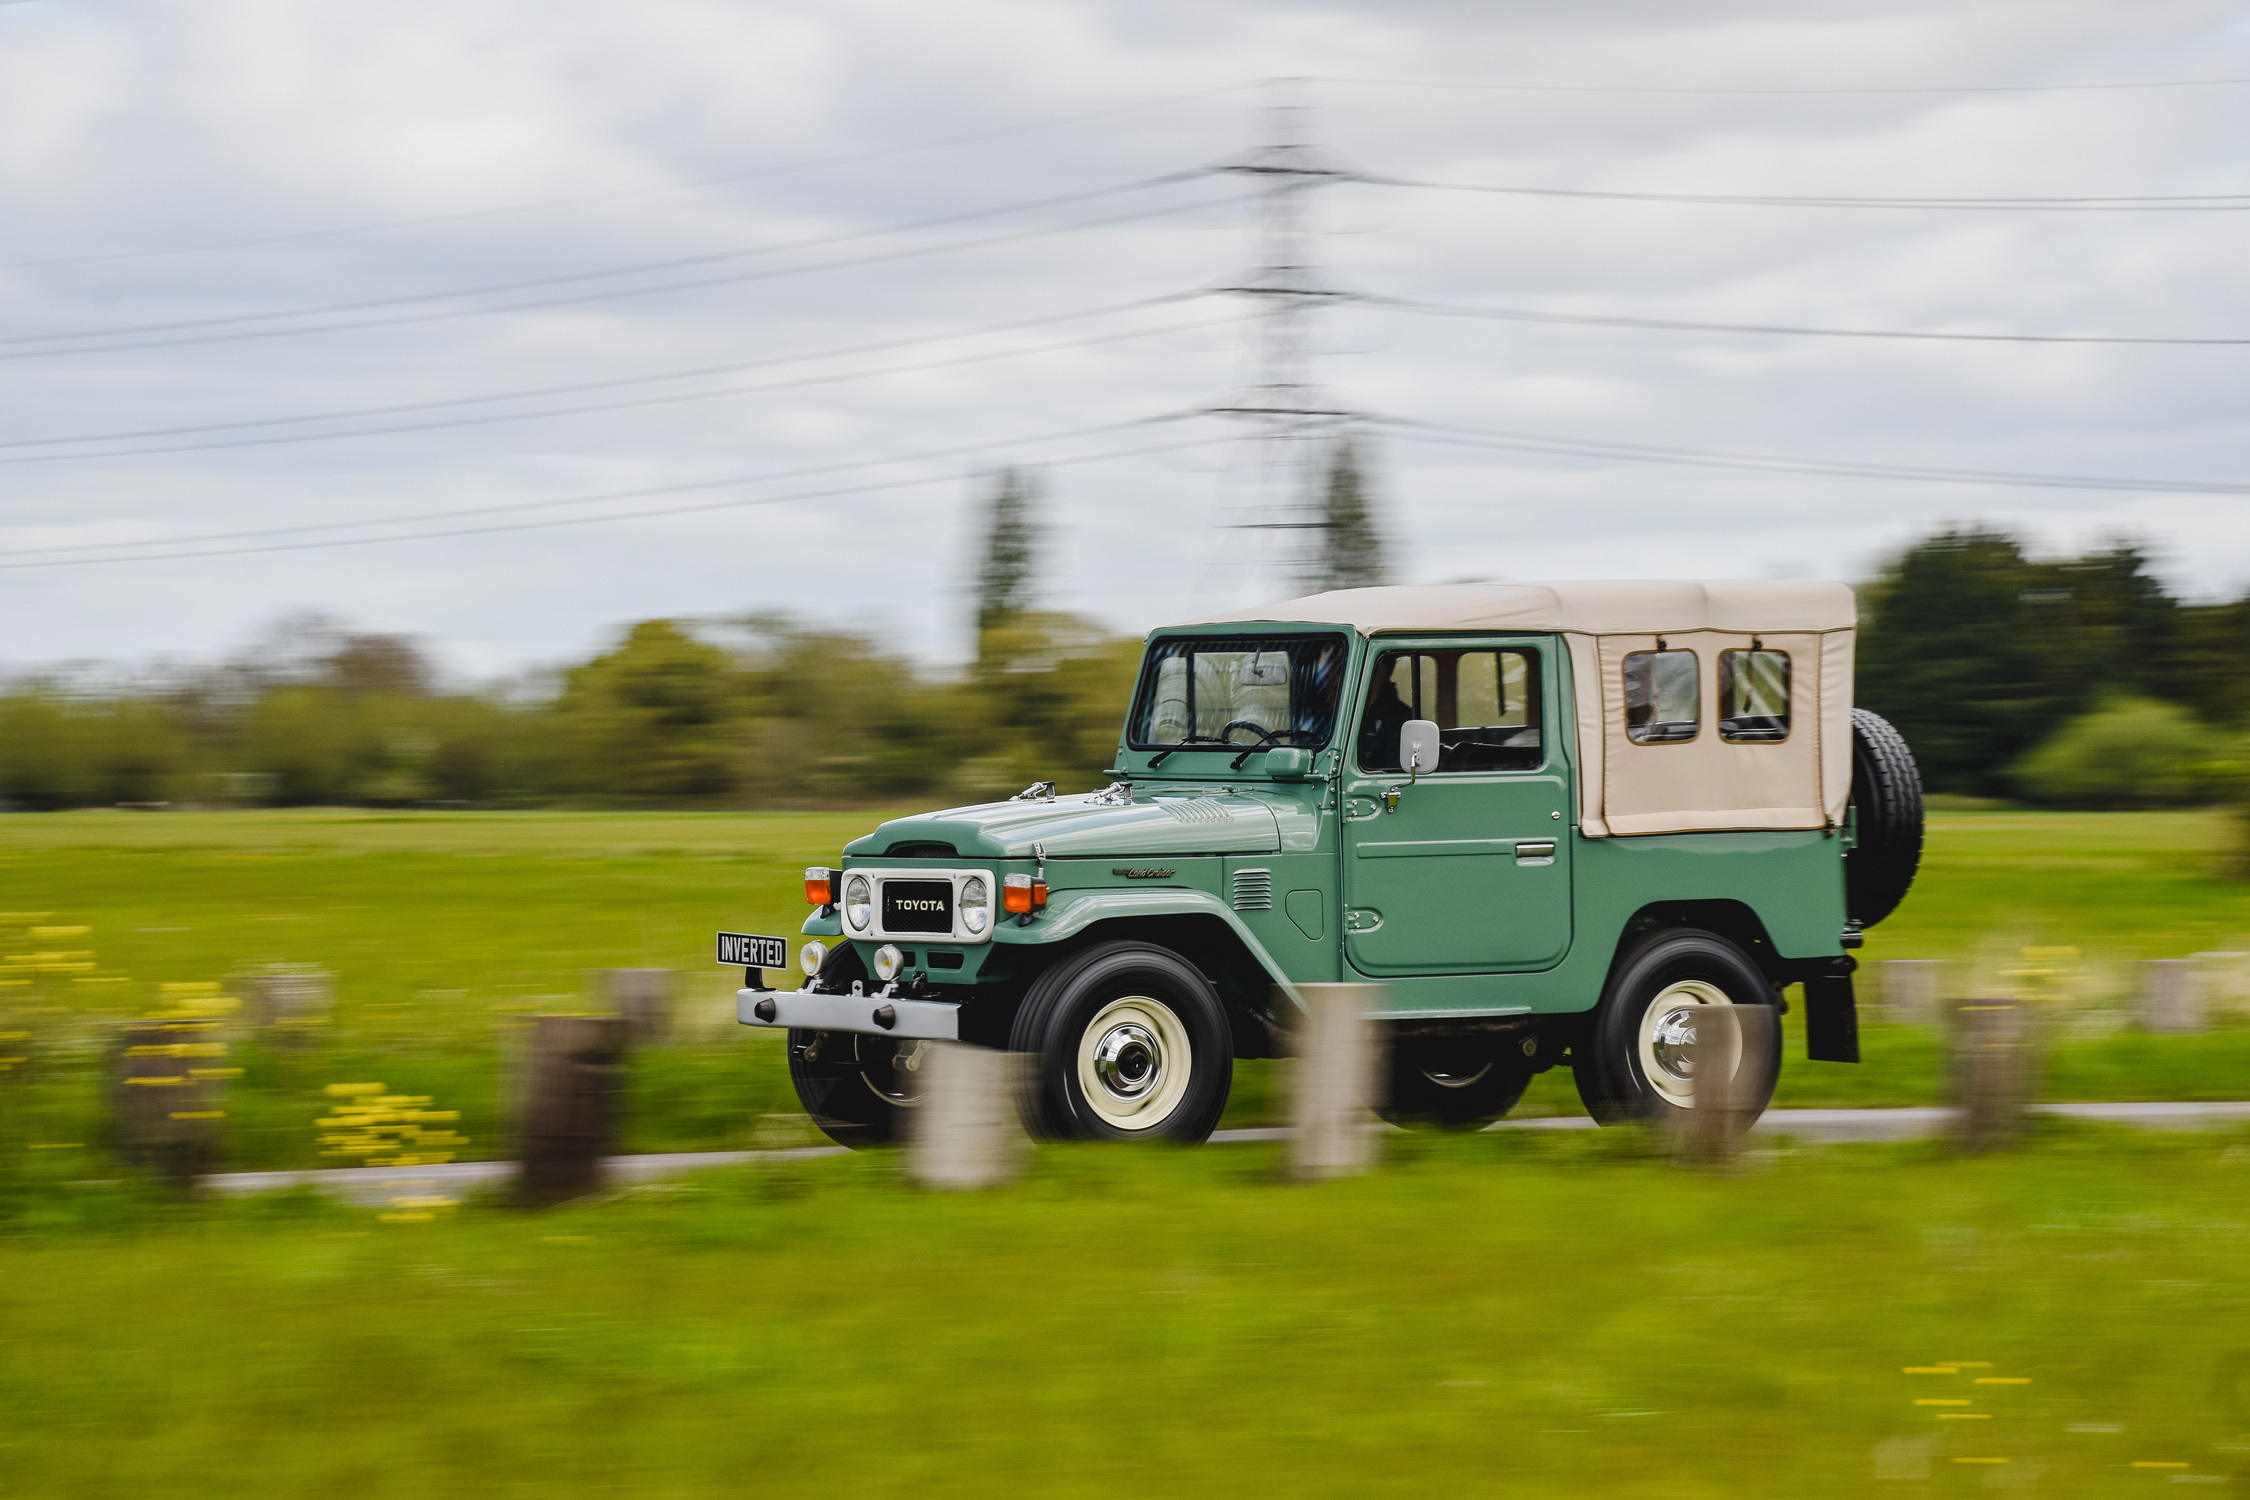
869	1015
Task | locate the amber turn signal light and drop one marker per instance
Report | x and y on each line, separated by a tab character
820	886
1022	893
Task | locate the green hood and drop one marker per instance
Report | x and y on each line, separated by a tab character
1162	822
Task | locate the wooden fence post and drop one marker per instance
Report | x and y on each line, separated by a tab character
1732	1055
2171	997
573	1097
1993	1068
643	997
1909	988
964	1132
1338	1067
2223	983
290	1001
168	1096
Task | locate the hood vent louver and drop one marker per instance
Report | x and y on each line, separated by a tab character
1253	890
1193	810
923	849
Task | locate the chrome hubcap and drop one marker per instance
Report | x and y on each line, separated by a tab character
1453	1079
1674	1043
1129	1060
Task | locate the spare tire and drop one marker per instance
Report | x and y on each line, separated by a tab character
1887	791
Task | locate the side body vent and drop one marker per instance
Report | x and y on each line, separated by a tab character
1253	890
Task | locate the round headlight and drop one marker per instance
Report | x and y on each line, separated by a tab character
976	903
811	957
859	901
888	961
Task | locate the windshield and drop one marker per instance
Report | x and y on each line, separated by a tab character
1238	691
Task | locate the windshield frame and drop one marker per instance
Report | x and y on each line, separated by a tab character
1151	657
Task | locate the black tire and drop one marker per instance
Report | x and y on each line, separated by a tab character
1622	1080
1146	1006
856	1088
1456	1081
1887	791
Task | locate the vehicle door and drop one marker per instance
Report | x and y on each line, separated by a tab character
1464	869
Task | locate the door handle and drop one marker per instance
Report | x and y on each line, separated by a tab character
1529	849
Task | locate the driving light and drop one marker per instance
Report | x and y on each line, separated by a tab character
1023	893
888	961
811	957
820	886
859	901
976	904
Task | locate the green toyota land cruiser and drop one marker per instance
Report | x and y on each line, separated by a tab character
1551	820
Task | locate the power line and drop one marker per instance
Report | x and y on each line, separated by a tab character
1654	453
1990	88
1681	325
2169	203
638	515
517	507
673	399
551	205
669	399
882	257
639	268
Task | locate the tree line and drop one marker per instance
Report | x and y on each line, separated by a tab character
2075	680
2072	681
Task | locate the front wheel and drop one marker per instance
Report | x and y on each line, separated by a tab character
1128	1041
1639	1061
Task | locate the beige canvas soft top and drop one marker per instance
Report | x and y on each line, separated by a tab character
1702	784
1599	607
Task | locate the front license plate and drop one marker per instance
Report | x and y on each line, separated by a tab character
746	950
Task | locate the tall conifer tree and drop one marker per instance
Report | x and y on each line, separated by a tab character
1007	574
1348	552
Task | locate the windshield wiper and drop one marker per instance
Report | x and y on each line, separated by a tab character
1158	758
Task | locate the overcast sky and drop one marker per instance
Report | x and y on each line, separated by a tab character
226	215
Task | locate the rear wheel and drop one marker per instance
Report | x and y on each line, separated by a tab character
1639	1060
1456	1081
1128	1041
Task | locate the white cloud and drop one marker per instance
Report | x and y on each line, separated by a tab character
130	126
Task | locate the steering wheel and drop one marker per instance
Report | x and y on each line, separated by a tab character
1265	736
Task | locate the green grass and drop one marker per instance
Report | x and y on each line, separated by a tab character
443	928
441	931
1533	1315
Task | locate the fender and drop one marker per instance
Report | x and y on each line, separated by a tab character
1072	912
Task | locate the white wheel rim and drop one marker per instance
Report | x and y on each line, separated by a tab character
1134	1063
1667	1041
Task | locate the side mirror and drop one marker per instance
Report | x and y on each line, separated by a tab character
1288	760
1418	746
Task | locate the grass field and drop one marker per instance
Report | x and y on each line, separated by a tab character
441	928
1536	1315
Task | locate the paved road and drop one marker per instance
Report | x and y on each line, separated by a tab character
381	1184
